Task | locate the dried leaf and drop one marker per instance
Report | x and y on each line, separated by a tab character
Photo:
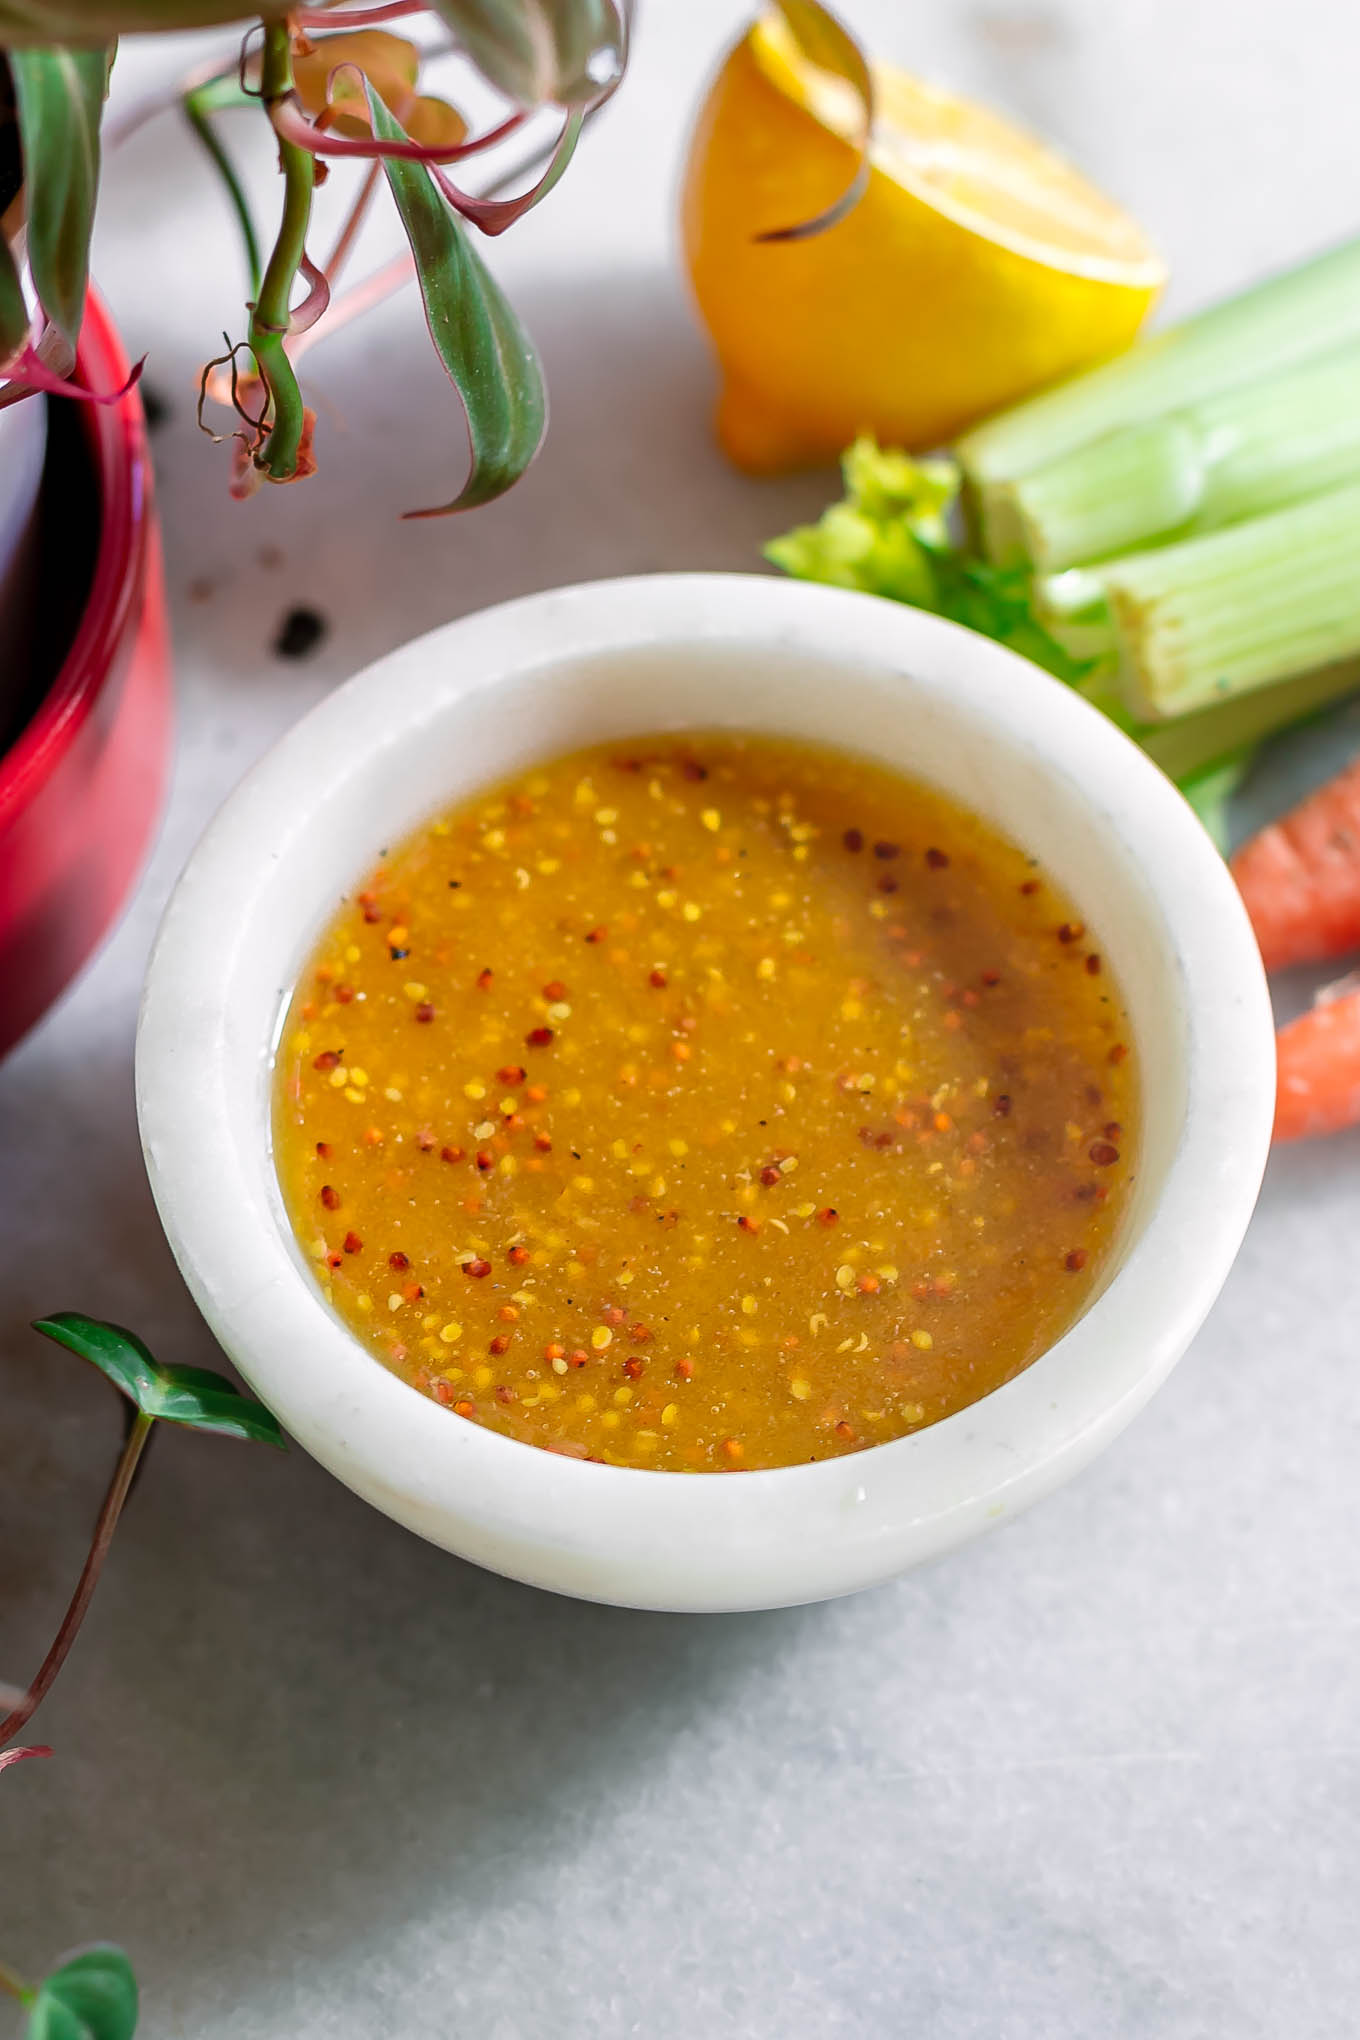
328	76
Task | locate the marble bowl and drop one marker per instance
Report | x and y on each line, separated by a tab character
495	691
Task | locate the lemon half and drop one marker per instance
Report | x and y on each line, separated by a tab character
977	267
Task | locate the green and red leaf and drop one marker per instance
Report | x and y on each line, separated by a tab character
542	52
59	101
488	356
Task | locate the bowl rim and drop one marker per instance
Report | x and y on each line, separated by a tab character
544	1517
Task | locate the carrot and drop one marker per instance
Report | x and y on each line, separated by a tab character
1300	878
1318	1062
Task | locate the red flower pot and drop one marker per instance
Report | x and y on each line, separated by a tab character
82	783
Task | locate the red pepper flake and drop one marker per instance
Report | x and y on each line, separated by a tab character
330	1198
484	978
887	884
991	978
1071	931
352	1243
335	1260
443	1393
413	1292
868	1285
398	1261
844	1430
1117	1053
751	1225
1075	1261
543	1142
658	980
1103	1153
451	1154
485	1159
464	1407
578	1358
510	1073
830	1216
538	1037
344	993
517	1256
372	915
692	769
1002	1107
888	850
853	840
424	1013
769	1175
1093	965
476	1269
1113	1130
642	1333
633	1368
596	934
329	1059
937	860
685	1369
1030	887
554	989
500	1344
323	1150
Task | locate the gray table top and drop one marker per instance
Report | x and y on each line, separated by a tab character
1098	1774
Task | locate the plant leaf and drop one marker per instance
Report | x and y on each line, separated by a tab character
14	320
59	99
92	1996
177	1395
542	52
825	43
487	354
99	21
890	537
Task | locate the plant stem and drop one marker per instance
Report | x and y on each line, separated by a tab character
270	314
354	219
99	1545
15	1985
198	118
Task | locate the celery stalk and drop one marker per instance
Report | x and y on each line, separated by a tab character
1217	616
1306	312
1233	457
1186	746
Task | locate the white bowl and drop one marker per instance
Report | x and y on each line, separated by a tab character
489	694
